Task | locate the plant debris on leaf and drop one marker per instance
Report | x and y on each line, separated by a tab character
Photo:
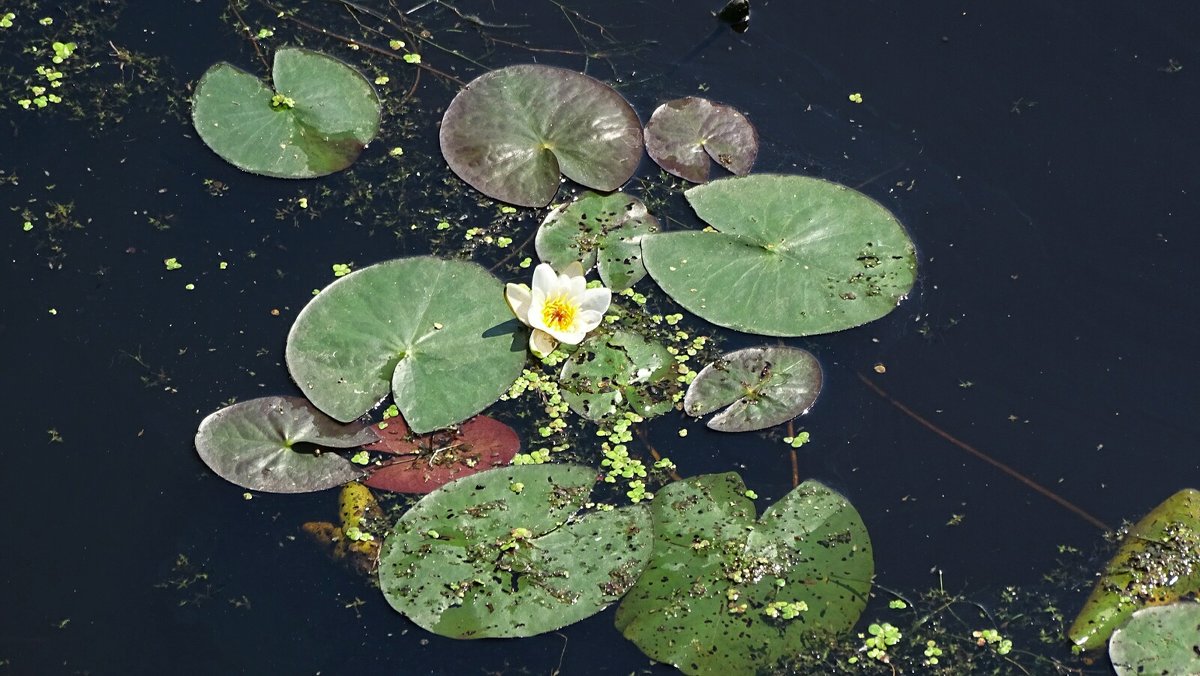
793	256
511	552
273	444
1158	562
727	594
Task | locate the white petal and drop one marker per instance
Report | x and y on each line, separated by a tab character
574	286
588	320
541	343
573	337
544	278
537	306
519	299
597	300
573	269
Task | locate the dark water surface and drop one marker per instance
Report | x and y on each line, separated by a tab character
1043	155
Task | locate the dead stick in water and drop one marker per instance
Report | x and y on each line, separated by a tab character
986	458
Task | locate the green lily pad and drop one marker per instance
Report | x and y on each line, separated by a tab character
726	594
794	256
437	334
273	444
511	132
683	134
1158	561
762	387
317	121
601	230
618	372
1158	640
509	552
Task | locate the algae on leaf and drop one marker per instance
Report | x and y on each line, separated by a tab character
793	256
725	593
1158	561
512	552
318	119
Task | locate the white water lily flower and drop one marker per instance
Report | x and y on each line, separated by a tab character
559	308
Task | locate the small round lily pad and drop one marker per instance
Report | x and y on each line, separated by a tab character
510	133
683	134
617	372
319	117
762	387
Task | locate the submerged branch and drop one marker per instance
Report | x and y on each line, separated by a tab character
987	458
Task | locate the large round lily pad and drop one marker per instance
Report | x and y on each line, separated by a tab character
318	119
683	134
273	444
1162	640
510	552
617	372
511	132
762	387
794	256
726	594
601	230
437	334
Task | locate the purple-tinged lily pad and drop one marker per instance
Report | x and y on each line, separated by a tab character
683	134
274	444
511	132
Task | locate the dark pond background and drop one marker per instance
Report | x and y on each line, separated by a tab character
1043	155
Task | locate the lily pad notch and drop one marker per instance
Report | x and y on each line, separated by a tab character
683	134
436	334
786	256
511	132
318	119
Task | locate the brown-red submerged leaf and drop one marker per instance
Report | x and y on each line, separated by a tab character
428	461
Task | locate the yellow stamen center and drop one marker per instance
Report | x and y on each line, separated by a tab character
559	313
